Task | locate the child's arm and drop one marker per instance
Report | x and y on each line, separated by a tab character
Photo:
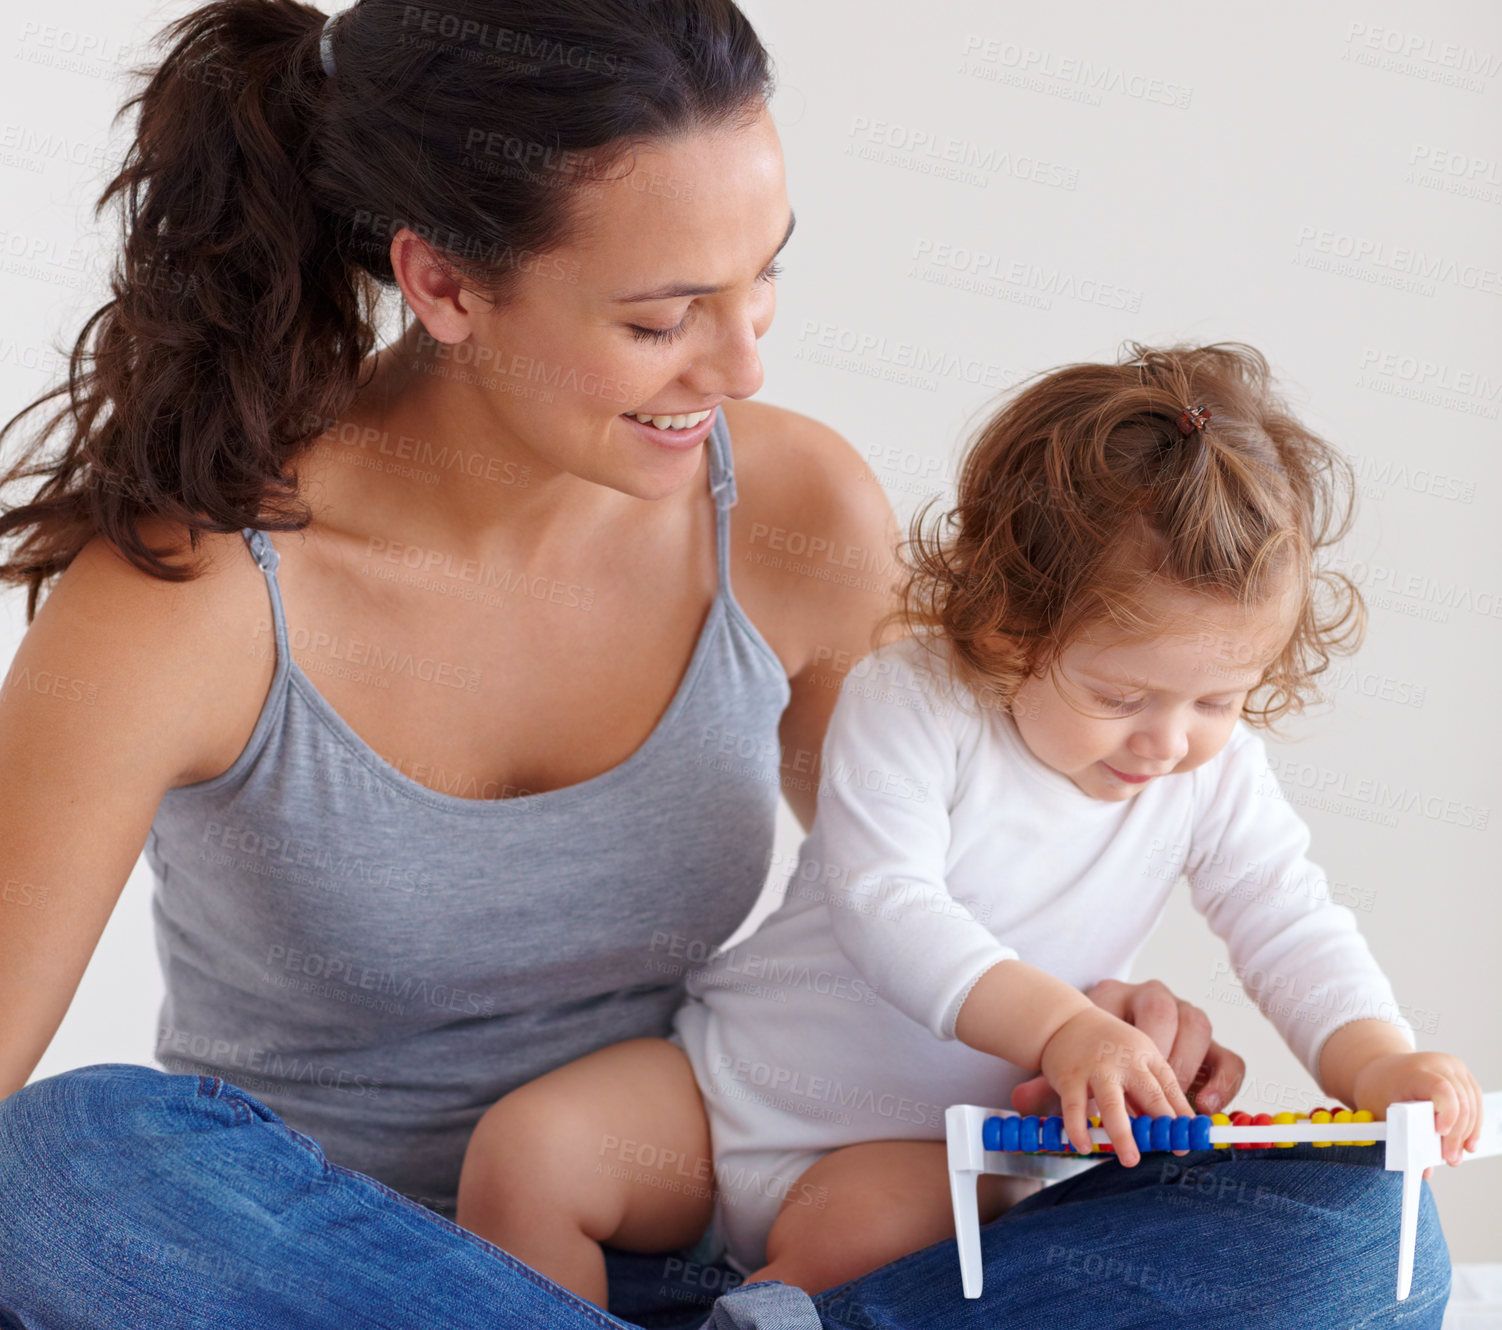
1299	955
1368	1064
878	851
893	760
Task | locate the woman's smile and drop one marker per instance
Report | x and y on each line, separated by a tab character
671	435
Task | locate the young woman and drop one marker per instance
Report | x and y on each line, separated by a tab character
421	677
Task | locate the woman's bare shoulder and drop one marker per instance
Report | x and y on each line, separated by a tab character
795	472
193	658
813	531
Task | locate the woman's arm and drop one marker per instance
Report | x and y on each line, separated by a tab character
123	686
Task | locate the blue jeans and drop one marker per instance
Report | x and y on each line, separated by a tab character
130	1197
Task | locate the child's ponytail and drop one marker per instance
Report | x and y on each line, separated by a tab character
1177	465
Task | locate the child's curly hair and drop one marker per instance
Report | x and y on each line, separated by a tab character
1082	490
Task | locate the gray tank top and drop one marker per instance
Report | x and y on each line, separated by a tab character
379	962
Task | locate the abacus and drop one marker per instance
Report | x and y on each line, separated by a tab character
995	1140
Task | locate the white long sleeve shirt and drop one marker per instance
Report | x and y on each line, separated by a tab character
943	846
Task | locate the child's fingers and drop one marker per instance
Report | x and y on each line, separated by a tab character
1474	1139
1157	1092
1451	1117
1164	1095
1467	1110
1076	1121
1177	1099
1113	1117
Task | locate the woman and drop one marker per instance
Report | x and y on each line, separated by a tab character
535	777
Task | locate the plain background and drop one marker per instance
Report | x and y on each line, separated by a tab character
984	191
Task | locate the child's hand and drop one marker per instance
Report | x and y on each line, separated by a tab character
1438	1077
1093	1054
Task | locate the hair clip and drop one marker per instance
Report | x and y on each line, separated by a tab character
1193	418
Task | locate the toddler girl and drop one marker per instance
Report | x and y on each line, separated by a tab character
1126	588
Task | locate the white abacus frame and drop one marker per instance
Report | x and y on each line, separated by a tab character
1412	1143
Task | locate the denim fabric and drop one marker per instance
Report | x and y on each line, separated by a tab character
133	1197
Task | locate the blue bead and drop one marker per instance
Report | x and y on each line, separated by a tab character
1027	1136
1009	1133
1053	1133
1179	1134
990	1133
1199	1132
1142	1132
1161	1128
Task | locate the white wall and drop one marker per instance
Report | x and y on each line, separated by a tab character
1321	181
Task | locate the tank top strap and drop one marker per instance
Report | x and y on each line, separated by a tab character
722	489
267	559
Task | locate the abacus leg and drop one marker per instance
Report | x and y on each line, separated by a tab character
962	1189
1408	1232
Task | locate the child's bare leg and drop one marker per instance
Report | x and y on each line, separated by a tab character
880	1201
613	1147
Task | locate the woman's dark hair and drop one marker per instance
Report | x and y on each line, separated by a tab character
1092	484
260	198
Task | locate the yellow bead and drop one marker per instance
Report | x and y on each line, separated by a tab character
1219	1120
1284	1119
1320	1119
1363	1115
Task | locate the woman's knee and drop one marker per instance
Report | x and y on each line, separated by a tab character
47	1170
1360	1212
41	1112
47	1128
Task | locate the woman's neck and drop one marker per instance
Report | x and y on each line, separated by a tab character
416	455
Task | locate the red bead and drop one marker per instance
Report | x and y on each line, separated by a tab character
1262	1120
1241	1120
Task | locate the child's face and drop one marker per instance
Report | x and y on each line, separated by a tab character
1155	706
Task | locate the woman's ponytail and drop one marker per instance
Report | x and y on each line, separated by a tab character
233	321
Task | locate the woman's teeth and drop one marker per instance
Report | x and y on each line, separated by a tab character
672	422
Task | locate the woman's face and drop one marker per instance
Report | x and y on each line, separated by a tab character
654	309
